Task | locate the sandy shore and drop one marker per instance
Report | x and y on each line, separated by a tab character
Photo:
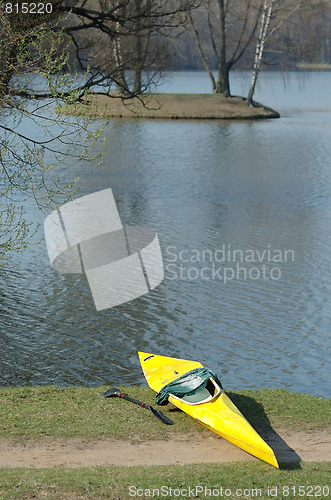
289	446
174	106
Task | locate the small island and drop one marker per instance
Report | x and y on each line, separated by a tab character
172	106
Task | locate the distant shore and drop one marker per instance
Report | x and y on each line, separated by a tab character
314	66
173	106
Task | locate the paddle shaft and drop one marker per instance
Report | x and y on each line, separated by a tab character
114	392
135	401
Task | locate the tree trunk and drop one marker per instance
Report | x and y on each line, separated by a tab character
223	81
264	26
120	80
138	65
202	55
264	34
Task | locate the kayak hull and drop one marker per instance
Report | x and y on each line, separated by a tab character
219	414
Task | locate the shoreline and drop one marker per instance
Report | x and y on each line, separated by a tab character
172	106
70	443
52	426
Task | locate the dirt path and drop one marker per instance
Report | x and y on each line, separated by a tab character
51	452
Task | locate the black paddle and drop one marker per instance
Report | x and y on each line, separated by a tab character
113	392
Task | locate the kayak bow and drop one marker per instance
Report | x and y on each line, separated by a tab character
211	407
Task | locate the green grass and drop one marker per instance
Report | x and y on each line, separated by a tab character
33	412
114	482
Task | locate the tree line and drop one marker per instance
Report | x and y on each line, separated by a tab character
129	43
304	37
151	36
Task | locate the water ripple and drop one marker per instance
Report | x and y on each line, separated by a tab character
200	185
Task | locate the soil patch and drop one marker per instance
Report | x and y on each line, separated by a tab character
185	449
175	106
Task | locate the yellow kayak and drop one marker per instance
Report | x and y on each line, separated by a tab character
210	406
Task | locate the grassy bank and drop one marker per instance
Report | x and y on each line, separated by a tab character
32	412
242	480
175	106
29	413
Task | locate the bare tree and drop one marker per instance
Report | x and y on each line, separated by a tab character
123	42
261	41
230	28
279	12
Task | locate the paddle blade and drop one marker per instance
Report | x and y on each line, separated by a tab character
112	392
160	416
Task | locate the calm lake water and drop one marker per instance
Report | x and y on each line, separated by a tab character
243	215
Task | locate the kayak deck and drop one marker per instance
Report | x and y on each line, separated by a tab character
212	408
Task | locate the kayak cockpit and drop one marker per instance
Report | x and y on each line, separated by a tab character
208	393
